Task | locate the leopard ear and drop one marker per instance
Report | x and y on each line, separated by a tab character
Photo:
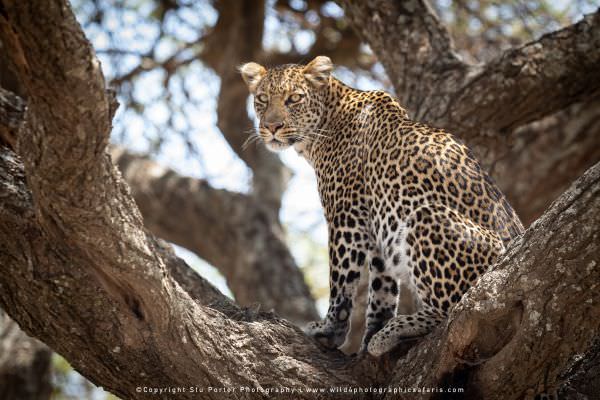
252	73
318	70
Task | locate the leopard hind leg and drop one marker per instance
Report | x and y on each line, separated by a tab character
445	253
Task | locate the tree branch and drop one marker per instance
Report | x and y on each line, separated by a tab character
522	85
527	83
247	245
240	25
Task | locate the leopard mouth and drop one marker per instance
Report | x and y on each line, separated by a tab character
281	140
281	144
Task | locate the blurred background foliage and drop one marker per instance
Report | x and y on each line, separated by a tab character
163	58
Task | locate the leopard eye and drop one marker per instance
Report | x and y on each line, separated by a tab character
263	98
294	98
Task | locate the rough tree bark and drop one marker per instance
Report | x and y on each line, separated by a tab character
244	245
80	272
247	247
487	105
581	379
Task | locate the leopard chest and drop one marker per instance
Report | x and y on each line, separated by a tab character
340	180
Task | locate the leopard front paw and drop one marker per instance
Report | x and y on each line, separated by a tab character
329	335
381	343
385	340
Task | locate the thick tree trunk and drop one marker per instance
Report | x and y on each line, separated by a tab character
79	271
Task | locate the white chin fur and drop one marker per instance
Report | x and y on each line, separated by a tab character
277	146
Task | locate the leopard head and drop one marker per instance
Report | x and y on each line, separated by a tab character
289	100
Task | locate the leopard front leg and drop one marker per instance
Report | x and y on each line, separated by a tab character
383	296
347	261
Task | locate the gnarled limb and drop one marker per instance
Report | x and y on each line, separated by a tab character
247	245
526	83
520	86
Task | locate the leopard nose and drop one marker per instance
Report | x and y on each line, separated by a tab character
273	126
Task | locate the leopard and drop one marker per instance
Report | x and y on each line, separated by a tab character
406	204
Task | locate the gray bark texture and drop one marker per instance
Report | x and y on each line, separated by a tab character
80	272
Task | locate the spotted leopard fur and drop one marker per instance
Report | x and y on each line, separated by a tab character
404	202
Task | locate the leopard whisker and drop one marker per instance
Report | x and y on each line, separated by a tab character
300	135
251	130
249	141
311	134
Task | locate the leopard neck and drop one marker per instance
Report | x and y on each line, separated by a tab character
337	95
